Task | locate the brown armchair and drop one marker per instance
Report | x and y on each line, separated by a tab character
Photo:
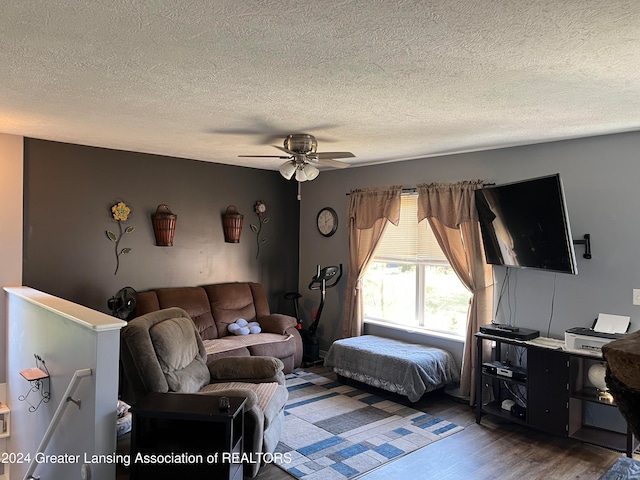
163	352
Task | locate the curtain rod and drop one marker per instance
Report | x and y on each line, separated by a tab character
404	190
415	189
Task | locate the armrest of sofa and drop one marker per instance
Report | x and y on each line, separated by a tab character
277	323
247	369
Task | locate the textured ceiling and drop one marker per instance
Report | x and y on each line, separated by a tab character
386	80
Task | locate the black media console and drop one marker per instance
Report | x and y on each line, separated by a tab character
548	390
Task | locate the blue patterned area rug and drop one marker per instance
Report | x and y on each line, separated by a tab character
624	469
334	431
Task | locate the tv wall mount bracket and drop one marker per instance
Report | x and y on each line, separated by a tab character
587	245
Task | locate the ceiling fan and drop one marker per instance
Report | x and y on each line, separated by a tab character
302	157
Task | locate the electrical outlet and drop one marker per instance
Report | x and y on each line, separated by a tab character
636	296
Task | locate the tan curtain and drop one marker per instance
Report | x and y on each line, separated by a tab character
451	212
369	212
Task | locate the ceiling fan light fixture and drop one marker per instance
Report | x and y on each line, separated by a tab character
310	171
287	169
300	175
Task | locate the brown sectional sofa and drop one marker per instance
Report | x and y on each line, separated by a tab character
213	307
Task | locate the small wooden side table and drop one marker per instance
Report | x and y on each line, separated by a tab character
177	435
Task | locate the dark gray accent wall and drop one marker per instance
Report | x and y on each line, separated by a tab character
68	192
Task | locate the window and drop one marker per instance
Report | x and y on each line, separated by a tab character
410	281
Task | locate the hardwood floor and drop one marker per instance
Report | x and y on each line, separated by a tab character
492	450
495	449
489	451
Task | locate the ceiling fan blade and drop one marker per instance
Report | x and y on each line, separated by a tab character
265	156
332	155
267	132
328	162
284	150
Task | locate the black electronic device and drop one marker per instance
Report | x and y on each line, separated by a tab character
514	372
519	411
506	331
526	224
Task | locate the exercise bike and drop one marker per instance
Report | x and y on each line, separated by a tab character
327	277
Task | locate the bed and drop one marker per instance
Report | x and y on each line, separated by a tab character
400	367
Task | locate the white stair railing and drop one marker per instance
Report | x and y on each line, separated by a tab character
66	398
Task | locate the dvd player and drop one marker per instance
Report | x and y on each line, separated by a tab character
504	370
508	331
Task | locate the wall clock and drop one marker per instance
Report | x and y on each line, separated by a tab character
327	221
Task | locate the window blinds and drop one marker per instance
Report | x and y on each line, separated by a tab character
410	241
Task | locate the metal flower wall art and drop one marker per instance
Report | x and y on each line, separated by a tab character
120	212
261	210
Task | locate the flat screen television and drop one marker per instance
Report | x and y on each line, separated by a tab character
525	224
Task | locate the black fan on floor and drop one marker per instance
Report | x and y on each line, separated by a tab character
123	303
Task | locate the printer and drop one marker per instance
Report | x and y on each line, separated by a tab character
605	329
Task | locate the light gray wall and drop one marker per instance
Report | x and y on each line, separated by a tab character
600	176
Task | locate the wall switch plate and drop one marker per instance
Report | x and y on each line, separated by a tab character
636	296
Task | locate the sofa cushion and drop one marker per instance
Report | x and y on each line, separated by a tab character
277	323
176	346
195	302
259	300
278	350
146	302
238	352
250	368
229	302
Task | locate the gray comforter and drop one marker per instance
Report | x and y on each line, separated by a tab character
404	368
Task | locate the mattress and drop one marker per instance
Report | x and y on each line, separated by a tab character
400	367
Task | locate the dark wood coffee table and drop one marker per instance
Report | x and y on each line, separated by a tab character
175	434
